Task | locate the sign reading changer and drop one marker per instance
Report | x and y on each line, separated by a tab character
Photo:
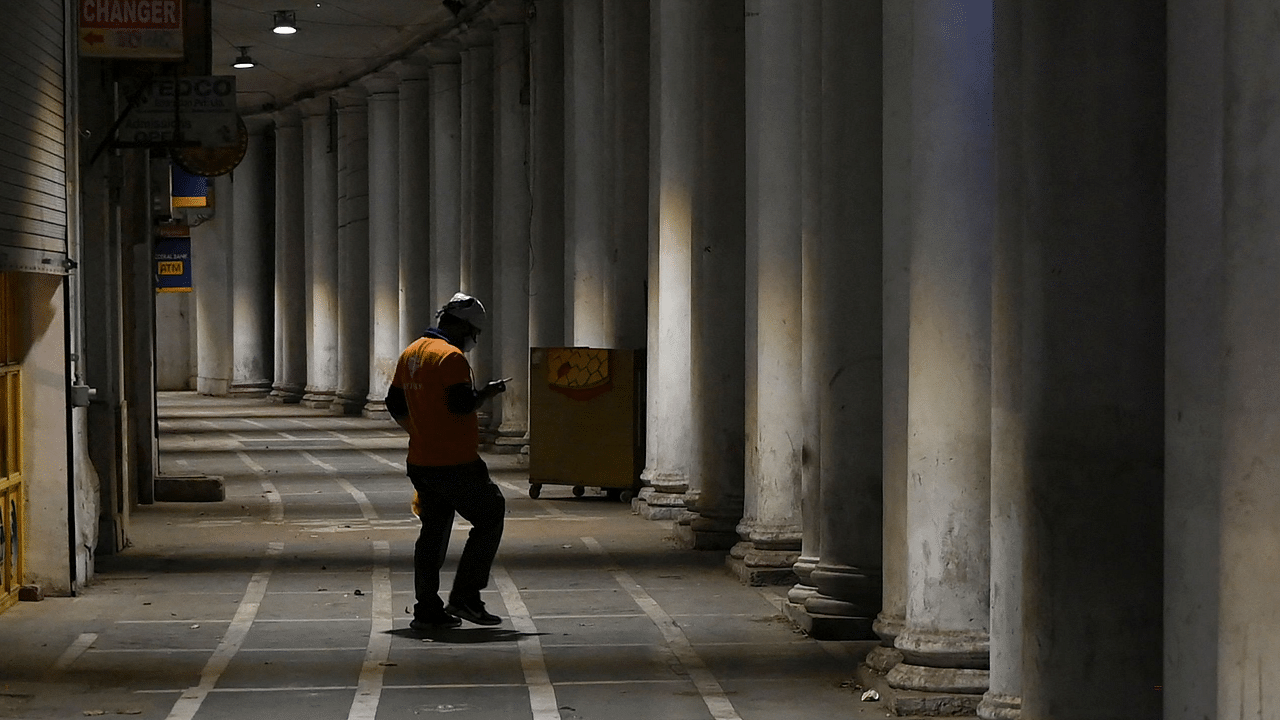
131	29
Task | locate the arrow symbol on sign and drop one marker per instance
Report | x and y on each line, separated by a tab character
93	38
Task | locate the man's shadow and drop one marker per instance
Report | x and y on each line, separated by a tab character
462	636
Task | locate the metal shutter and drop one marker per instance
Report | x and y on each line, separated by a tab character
33	182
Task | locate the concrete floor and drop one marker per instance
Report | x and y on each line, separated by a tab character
288	600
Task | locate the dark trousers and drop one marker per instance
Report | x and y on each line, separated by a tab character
467	490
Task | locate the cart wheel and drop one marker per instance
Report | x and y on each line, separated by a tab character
535	490
578	490
624	496
613	493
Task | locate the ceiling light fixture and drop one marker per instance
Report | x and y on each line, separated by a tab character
243	61
285	22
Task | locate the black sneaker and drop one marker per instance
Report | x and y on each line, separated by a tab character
473	612
440	620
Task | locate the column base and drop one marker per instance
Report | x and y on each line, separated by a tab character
510	444
969	682
376	410
287	394
257	389
317	399
757	567
346	406
882	659
827	627
654	505
689	537
999	706
916	704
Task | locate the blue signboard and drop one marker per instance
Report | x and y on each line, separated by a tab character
173	264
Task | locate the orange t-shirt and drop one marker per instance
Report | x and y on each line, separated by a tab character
437	436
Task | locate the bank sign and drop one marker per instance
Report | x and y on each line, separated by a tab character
130	29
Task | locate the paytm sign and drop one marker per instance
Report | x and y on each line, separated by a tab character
131	29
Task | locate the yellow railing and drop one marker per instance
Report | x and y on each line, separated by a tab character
12	502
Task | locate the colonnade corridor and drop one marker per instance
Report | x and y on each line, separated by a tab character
288	600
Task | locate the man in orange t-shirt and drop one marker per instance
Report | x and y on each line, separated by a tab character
433	397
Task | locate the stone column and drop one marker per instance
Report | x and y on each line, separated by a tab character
252	254
718	282
416	311
1092	377
626	25
811	151
511	241
322	251
587	180
546	155
1194	359
666	474
477	254
849	327
211	255
945	641
1249	634
290	260
384	237
353	251
446	174
771	527
896	159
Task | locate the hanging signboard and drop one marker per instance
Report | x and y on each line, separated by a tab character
173	261
131	29
202	107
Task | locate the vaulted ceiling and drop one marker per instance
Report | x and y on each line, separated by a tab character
337	40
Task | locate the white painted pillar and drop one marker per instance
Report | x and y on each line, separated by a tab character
290	260
511	225
1249	635
322	251
252	254
666	474
1194	361
945	640
477	251
416	312
547	157
848	326
211	254
718	277
811	150
384	236
896	160
446	175
771	528
626	27
588	186
353	250
1009	421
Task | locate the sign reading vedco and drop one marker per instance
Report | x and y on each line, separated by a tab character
131	29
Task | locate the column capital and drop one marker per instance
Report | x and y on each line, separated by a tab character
443	52
382	83
414	68
288	117
257	124
478	34
351	97
314	106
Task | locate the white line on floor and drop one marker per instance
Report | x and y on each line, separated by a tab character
268	488
76	649
369	686
712	694
254	423
378	458
542	694
190	701
366	507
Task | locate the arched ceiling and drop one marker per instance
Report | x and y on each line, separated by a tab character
337	40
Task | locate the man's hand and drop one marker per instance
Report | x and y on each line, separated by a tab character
494	387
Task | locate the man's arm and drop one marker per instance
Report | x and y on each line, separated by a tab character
397	407
463	399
